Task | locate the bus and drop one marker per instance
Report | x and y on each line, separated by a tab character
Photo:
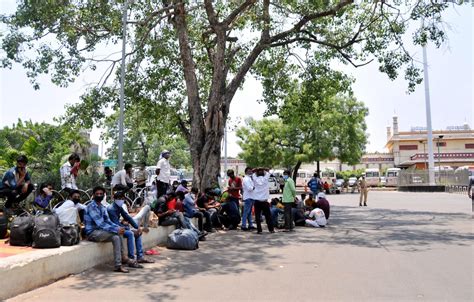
372	177
302	178
328	175
391	177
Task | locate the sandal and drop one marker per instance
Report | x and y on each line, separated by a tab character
145	260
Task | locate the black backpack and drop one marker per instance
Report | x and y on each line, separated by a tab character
70	235
3	225
47	232
21	230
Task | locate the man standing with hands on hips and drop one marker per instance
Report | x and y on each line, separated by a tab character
163	170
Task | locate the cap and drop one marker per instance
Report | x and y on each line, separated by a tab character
321	195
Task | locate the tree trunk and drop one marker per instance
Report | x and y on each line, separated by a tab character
318	169
295	170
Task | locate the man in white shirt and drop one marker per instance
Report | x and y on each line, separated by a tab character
122	181
248	189
70	209
316	219
261	194
69	171
163	172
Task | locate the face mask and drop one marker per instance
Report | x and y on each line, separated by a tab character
76	200
119	202
98	198
285	177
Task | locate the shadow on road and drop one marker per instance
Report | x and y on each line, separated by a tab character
225	253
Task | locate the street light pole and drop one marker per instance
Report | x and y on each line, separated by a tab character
122	86
431	174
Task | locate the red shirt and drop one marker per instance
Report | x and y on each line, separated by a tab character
172	204
235	183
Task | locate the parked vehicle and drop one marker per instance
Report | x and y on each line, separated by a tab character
372	177
302	178
383	181
338	185
274	186
391	176
328	175
352	184
175	175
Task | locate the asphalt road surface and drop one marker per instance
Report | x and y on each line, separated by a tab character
402	247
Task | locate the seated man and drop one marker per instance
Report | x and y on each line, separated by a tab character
122	180
45	194
16	183
275	209
183	187
309	202
229	214
316	218
192	211
100	228
323	204
72	208
134	236
206	203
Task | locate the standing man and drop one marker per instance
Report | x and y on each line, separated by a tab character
69	172
289	194
470	191
261	195
141	176
235	185
247	192
363	191
163	170
314	184
100	228
16	183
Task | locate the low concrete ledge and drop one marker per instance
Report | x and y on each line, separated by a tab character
24	272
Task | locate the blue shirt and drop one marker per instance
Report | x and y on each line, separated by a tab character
189	206
43	201
115	212
9	179
97	218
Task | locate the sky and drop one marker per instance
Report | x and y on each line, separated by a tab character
450	78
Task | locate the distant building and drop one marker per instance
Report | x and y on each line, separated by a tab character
238	165
452	147
94	149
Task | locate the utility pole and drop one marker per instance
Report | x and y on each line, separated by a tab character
122	85
431	174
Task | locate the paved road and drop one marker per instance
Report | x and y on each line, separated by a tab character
403	247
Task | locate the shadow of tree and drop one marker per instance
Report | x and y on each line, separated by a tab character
224	253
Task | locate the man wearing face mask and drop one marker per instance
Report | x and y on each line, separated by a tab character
100	228
134	236
69	211
191	210
289	194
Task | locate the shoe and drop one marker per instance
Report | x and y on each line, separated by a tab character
145	260
360	204
365	204
121	269
245	229
252	228
259	232
134	264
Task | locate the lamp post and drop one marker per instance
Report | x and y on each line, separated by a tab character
122	85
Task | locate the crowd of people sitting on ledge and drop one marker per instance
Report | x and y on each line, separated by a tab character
245	203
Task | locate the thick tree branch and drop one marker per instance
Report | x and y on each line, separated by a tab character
234	14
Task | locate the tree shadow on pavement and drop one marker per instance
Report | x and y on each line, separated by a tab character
236	252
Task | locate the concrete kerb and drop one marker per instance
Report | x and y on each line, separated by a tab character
25	272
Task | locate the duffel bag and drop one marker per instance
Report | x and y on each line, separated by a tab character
183	239
21	230
70	235
3	225
47	232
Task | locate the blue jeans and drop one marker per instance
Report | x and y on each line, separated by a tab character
133	242
247	213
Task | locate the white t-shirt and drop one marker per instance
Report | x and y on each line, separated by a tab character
68	180
67	212
248	188
262	187
165	170
119	178
318	215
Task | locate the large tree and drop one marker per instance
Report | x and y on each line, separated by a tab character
187	59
